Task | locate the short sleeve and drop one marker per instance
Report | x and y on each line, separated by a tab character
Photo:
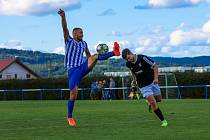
85	45
148	61
69	38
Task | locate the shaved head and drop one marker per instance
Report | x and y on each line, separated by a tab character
77	34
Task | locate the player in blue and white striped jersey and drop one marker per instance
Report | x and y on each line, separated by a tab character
75	63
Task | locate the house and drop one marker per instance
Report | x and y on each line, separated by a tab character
200	69
115	74
14	69
175	69
207	68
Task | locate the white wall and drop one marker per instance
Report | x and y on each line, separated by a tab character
13	69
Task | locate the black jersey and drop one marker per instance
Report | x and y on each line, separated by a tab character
143	70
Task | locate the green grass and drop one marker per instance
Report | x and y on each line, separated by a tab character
104	120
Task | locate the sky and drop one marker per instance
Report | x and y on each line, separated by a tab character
169	28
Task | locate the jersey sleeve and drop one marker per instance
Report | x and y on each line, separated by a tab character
69	38
147	62
86	45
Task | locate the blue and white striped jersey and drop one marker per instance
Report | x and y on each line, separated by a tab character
74	52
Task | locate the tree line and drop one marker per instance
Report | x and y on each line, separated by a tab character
183	79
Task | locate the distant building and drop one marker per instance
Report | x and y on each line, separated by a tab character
207	68
175	69
200	69
115	74
14	69
185	69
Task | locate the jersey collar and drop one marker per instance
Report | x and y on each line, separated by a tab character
135	58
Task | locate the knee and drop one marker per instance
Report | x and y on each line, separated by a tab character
93	57
152	103
92	61
73	95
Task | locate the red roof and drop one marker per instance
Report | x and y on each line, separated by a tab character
7	62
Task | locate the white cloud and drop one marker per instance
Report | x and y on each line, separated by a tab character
206	27
184	42
124	43
151	29
208	41
120	33
144	45
171	4
156	29
193	37
139	50
59	50
151	41
191	51
35	7
145	41
151	45
185	26
165	49
12	44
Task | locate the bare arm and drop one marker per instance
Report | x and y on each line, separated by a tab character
87	53
155	81
64	24
133	76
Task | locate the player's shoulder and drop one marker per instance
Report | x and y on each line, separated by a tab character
140	56
68	39
143	58
85	43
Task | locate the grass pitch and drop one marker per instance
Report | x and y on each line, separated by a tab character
104	120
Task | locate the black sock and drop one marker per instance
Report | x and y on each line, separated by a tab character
159	114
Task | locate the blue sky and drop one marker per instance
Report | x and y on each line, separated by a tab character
176	28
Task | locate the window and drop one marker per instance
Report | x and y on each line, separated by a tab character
9	76
0	76
28	76
15	76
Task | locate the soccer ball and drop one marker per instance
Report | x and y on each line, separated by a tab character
102	49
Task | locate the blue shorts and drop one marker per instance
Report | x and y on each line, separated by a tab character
76	74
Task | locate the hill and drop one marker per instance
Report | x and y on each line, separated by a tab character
51	65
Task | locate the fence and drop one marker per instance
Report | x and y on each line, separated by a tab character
168	92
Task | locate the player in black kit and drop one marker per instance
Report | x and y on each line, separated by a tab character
145	72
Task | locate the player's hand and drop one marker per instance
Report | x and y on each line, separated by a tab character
155	81
61	13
